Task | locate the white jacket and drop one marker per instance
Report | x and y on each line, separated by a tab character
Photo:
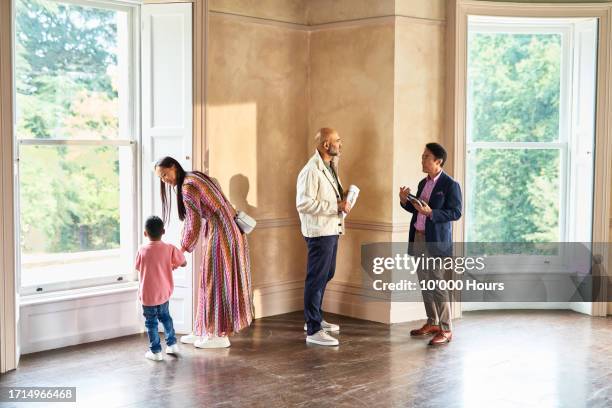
317	200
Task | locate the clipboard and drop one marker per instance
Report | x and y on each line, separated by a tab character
414	198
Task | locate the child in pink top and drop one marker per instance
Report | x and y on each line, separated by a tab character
155	262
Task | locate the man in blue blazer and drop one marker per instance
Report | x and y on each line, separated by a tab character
438	204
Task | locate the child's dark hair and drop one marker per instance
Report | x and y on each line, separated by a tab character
154	227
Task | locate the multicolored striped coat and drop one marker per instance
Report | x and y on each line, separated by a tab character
225	299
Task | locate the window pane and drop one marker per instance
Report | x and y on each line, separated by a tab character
513	87
513	195
71	70
71	212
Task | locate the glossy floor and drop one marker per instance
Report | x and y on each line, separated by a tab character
497	359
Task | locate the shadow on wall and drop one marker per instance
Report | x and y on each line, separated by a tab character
238	194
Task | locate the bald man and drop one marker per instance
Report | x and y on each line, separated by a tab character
320	202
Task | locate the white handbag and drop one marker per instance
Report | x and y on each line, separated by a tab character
245	222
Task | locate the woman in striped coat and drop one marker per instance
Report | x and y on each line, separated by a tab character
225	301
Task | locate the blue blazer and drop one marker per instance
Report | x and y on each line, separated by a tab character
445	204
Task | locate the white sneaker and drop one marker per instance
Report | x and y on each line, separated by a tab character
154	356
189	338
173	349
323	339
212	342
326	326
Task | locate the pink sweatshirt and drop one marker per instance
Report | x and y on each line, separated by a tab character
155	262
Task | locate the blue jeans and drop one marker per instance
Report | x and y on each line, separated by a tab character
152	314
320	270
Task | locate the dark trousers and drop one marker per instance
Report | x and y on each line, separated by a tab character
162	313
320	270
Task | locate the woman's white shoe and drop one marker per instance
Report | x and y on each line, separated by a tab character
189	338
212	342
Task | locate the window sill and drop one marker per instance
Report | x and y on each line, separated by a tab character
81	293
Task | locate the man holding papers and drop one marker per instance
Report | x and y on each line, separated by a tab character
322	206
437	203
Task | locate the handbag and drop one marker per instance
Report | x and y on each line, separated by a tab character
245	222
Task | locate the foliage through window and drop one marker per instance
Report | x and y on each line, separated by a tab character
73	124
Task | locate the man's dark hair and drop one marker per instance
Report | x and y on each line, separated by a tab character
154	227
437	151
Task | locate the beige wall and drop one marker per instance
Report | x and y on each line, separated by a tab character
257	94
419	100
329	11
380	82
313	12
257	82
377	74
425	9
351	90
419	96
289	11
375	77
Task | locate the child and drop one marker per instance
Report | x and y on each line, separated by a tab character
155	262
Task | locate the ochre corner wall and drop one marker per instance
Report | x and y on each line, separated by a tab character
257	83
351	90
275	75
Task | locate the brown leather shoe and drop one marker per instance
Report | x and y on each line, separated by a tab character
425	330
442	337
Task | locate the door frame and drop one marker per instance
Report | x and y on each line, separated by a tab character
9	357
200	140
200	148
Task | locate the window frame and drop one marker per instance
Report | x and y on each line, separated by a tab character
131	141
566	143
454	136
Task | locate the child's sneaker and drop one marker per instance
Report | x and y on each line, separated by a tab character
154	356
173	349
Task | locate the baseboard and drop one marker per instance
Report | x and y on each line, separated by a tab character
352	300
88	337
343	298
402	312
474	306
278	298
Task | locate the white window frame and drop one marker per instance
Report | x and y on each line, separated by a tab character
566	142
131	141
457	16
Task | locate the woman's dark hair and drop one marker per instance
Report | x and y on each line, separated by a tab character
437	151
166	189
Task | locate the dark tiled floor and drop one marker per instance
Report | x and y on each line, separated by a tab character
497	359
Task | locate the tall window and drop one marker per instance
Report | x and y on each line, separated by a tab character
530	129
75	130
